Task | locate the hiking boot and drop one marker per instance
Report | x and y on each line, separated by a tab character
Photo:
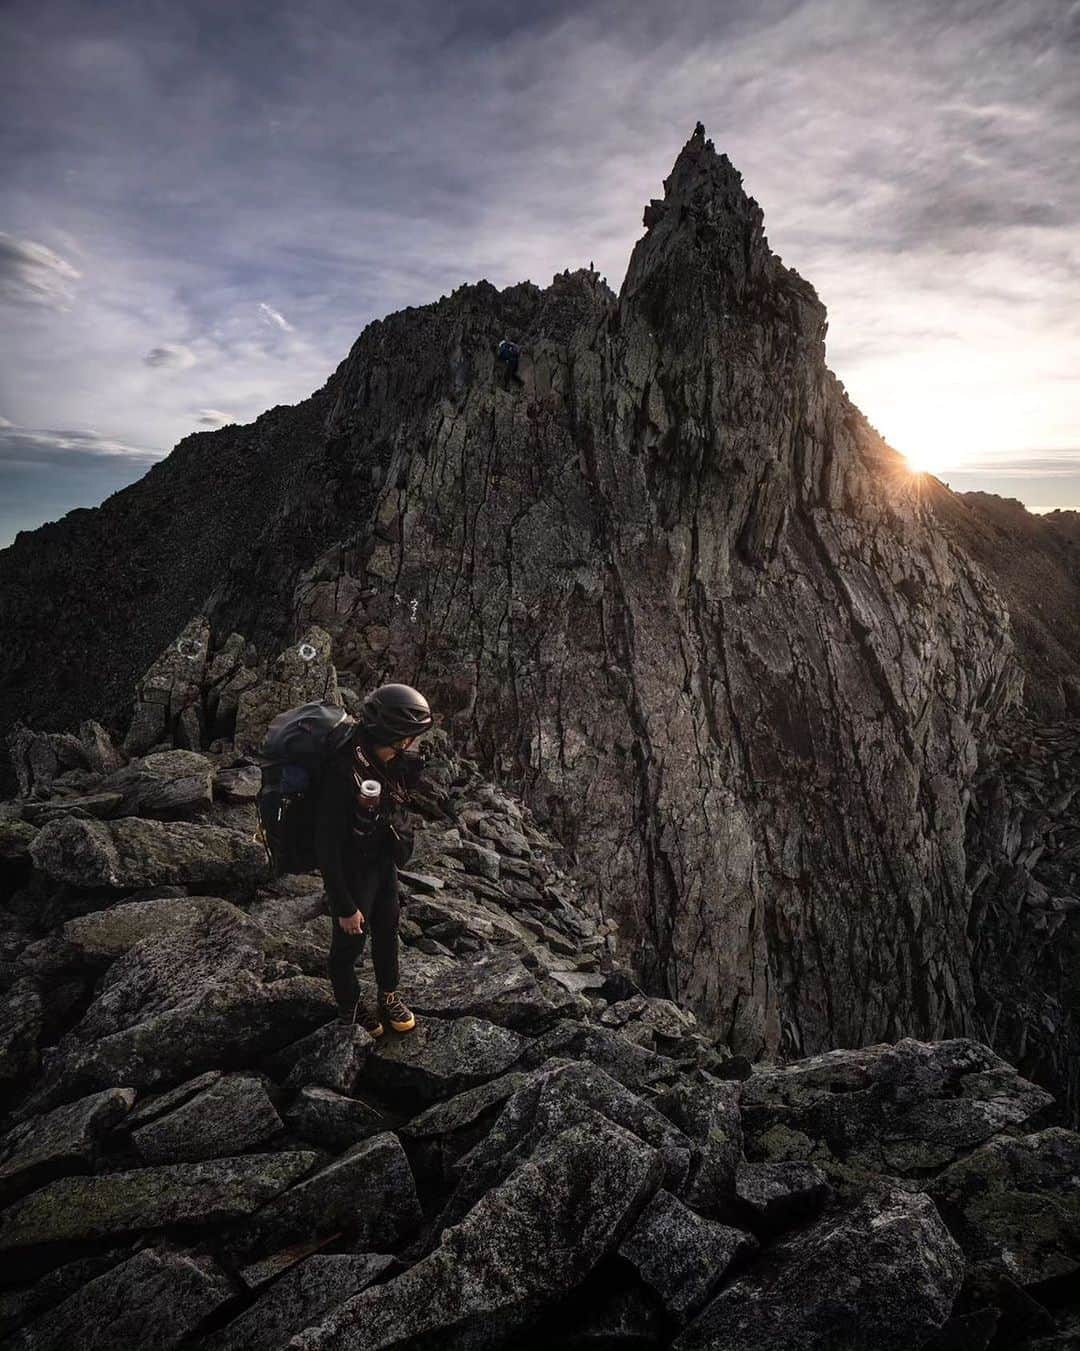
401	1018
356	1015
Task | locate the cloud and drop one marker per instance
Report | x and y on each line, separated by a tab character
32	274
213	417
173	355
914	162
273	317
40	446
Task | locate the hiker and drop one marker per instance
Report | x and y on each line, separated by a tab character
509	353
359	847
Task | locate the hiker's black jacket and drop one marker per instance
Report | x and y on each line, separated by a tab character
339	851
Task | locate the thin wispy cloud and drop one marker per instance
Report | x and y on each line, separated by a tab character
32	274
914	162
273	317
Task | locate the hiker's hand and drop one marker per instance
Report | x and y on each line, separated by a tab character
352	924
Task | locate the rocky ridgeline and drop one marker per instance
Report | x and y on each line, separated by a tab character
197	1154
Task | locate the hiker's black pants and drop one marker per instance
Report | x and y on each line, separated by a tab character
376	893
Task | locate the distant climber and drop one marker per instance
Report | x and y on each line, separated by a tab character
509	353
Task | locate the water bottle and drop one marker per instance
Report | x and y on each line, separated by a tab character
367	803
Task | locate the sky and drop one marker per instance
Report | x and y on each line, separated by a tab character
205	204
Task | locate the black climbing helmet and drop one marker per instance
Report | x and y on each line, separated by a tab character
393	712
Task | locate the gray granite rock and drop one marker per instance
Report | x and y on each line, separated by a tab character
883	1274
777	1195
368	1192
152	1301
149	1198
1016	1203
333	1056
130	852
681	1255
495	986
166	785
526	1243
227	1117
564	1093
441	1057
301	1297
331	1119
64	1140
630	1065
176	1004
110	933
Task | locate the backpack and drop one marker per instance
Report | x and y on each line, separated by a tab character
291	757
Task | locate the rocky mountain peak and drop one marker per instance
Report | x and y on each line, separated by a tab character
706	233
669	589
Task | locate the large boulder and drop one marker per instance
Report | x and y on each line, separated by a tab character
130	852
683	1256
903	1110
65	1140
206	1193
152	1301
301	1297
1015	1203
176	1004
368	1192
229	1116
441	1057
102	935
564	1093
165	785
496	986
883	1274
525	1244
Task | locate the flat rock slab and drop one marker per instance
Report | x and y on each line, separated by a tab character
298	1299
571	1040
681	1255
565	1093
91	804
230	1115
110	933
131	852
164	784
1017	1202
903	1109
64	1140
157	1104
496	986
368	1192
524	1245
150	1198
333	1120
151	1302
883	1274
441	1057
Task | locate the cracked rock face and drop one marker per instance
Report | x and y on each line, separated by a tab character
719	643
